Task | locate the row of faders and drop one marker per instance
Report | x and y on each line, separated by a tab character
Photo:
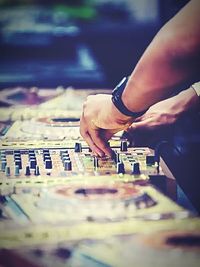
67	162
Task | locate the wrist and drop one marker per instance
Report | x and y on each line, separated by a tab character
118	102
187	100
119	117
131	98
127	100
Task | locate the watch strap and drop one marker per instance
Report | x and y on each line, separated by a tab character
117	99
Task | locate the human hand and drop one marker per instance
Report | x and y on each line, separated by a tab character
100	120
166	112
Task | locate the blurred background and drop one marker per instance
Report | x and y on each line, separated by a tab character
79	43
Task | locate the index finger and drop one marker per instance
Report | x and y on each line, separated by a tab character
98	138
85	134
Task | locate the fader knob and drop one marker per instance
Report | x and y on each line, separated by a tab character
116	156
17	157
16	170
37	171
7	171
3	157
27	173
78	147
120	167
48	164
31	155
3	165
18	162
2	152
96	162
136	168
65	158
33	163
68	165
45	151
46	157
63	152
123	146
32	158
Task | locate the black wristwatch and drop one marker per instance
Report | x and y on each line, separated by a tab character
117	99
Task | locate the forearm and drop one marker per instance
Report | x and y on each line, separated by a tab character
186	101
169	61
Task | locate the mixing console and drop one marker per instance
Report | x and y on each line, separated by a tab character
139	163
62	206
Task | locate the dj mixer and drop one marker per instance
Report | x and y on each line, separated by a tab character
60	205
137	162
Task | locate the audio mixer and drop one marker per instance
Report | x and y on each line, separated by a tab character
128	163
60	205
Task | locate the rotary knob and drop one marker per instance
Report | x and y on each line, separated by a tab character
123	146
78	147
67	165
136	168
150	160
120	168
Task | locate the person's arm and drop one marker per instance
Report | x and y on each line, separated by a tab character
169	61
167	112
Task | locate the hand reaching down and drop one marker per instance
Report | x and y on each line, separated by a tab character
100	120
166	112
